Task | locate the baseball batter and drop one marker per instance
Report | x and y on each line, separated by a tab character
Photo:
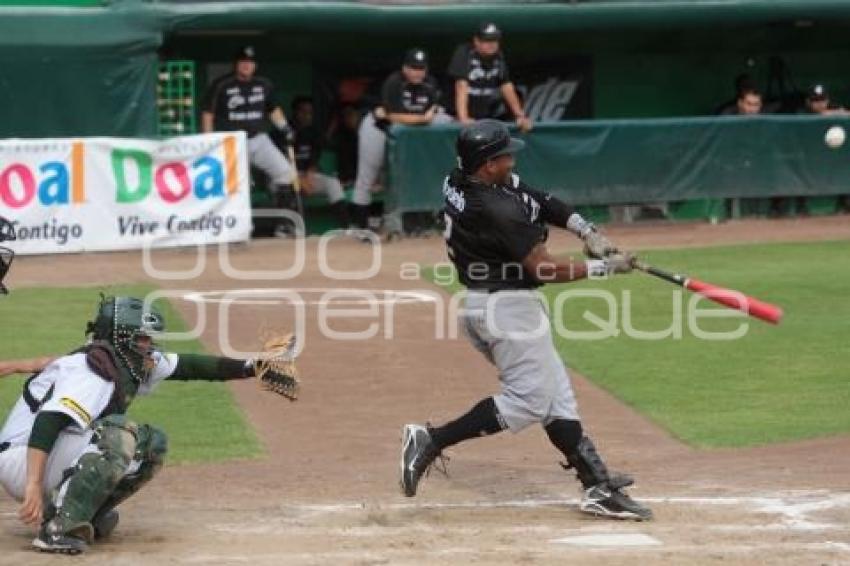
67	450
243	101
7	234
408	97
496	229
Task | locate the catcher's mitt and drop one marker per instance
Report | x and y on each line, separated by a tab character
275	368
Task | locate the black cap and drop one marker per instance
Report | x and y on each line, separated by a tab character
488	31
818	92
482	141
246	53
416	58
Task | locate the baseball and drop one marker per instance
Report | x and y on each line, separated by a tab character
835	137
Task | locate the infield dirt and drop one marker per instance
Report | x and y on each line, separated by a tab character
326	491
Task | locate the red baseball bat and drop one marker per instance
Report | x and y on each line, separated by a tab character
726	297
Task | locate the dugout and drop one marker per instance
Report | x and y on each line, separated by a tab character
90	67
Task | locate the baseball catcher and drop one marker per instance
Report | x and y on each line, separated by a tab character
69	453
496	228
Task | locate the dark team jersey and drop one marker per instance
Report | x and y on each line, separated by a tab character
401	97
491	229
240	105
485	77
308	148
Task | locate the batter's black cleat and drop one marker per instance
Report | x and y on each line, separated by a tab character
604	501
59	543
104	524
418	452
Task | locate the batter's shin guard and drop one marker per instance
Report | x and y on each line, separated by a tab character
590	468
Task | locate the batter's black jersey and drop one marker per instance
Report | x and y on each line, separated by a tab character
240	105
485	77
401	97
490	230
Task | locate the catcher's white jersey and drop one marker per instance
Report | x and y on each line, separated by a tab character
68	386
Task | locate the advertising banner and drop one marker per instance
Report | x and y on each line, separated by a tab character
93	194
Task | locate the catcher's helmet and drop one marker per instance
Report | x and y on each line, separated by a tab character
119	321
7	234
483	141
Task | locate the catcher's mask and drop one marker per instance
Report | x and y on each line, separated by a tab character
125	323
7	234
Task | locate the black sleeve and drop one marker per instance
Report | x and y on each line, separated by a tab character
433	91
271	96
392	94
459	65
200	367
211	96
46	429
506	74
553	210
515	233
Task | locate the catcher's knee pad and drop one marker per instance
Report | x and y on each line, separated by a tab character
148	459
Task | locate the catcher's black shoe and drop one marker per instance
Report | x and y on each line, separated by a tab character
604	501
58	543
105	523
418	452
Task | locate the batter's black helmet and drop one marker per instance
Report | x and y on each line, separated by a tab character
483	141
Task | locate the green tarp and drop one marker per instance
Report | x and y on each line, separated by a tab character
630	161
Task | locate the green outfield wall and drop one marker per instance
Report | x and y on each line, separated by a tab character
648	160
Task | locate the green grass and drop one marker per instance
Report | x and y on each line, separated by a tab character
777	383
201	419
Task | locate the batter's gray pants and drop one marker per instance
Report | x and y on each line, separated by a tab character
265	155
512	329
371	148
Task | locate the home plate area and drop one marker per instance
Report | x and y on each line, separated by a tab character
778	528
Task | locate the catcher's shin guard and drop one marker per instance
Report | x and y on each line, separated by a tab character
100	481
152	447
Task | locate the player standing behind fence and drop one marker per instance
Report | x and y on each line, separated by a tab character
482	80
496	228
408	96
241	100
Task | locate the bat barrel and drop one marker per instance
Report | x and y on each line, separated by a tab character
736	300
